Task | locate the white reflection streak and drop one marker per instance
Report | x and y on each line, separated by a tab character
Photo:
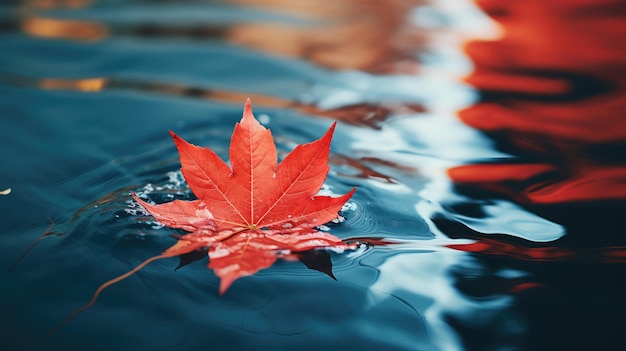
424	277
432	143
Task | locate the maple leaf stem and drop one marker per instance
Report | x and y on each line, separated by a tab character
100	289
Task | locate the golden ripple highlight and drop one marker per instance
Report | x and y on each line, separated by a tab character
50	28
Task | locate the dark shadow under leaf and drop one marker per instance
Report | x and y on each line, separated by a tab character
318	260
191	257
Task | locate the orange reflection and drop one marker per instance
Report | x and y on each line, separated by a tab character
553	90
64	29
365	172
358	114
368	35
86	85
614	254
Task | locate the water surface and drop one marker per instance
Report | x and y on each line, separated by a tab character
486	142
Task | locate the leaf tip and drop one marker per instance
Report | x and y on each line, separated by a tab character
329	132
247	109
224	285
330	274
248	120
180	142
345	197
135	197
352	191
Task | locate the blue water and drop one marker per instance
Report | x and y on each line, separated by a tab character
89	90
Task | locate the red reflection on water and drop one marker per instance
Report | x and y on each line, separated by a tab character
517	251
516	289
487	246
554	90
580	180
496	247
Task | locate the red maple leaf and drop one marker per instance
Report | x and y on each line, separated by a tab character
256	212
251	215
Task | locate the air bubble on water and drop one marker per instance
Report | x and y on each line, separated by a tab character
137	211
323	228
339	219
175	178
263	119
349	206
157	225
148	188
175	181
166	190
134	209
325	190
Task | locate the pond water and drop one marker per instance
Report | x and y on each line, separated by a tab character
486	140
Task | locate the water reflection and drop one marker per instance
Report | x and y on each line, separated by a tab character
558	117
49	4
552	88
366	114
85	85
64	29
345	35
364	35
552	100
470	264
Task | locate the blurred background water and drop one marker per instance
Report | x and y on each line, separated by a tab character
486	140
